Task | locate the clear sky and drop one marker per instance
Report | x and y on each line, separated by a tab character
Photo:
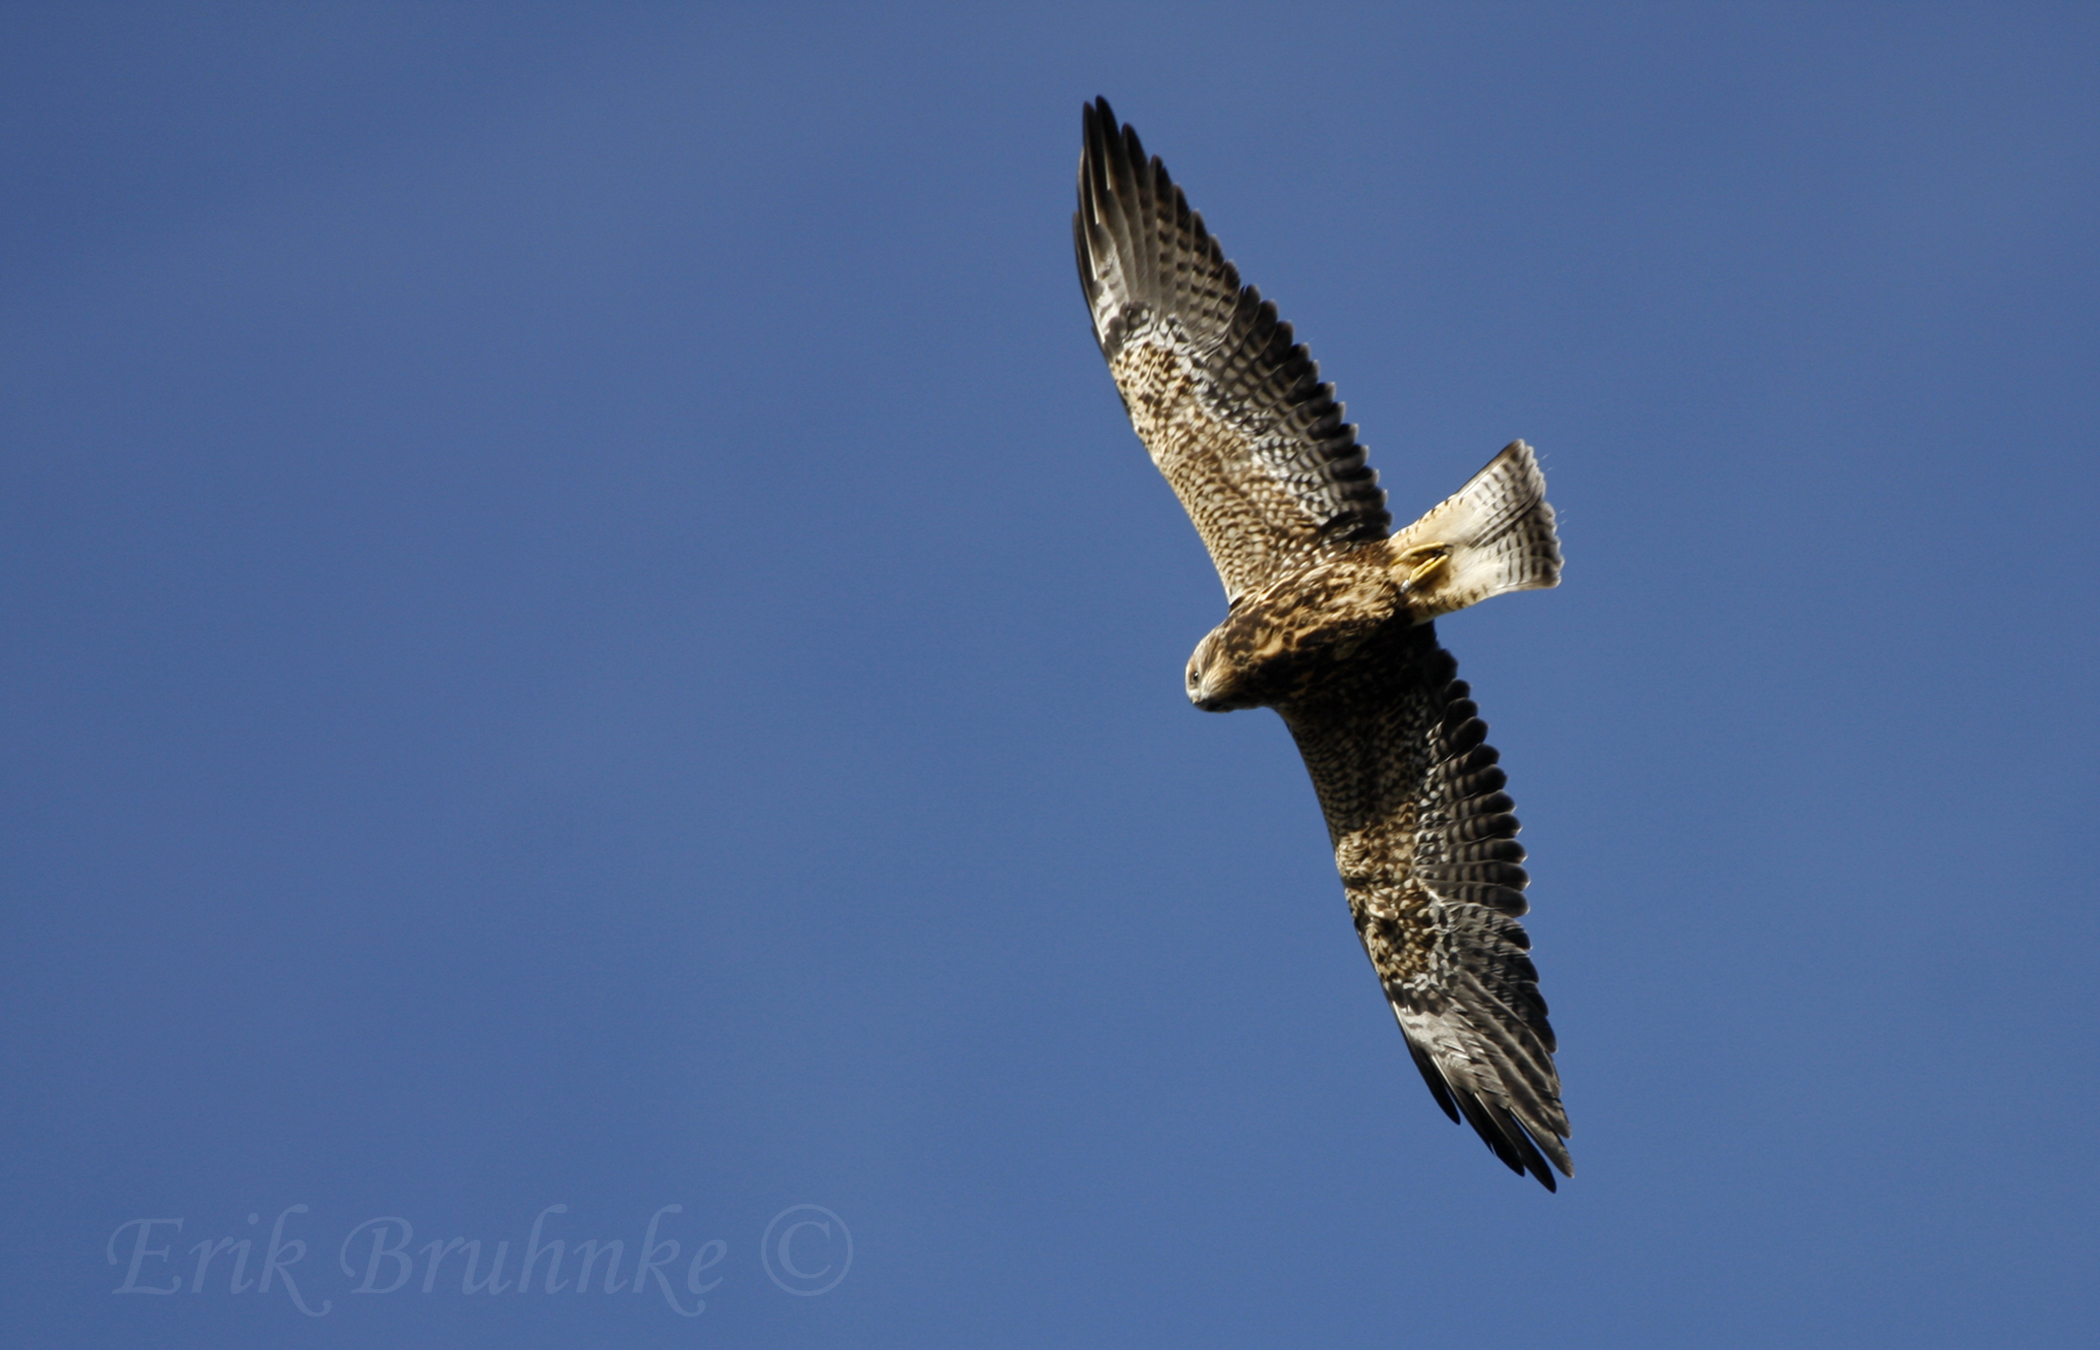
583	627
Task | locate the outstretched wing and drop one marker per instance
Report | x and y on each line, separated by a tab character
1426	846
1232	412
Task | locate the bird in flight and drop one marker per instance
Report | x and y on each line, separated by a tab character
1331	624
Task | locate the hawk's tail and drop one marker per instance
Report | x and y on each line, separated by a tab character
1498	533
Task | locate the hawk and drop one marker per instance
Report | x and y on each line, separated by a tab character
1330	622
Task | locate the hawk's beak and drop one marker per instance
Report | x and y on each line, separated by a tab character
1208	699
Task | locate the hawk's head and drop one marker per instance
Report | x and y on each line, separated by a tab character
1215	682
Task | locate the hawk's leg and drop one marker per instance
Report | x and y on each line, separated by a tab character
1425	560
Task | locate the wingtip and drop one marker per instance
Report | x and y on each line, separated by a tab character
1098	124
1102	131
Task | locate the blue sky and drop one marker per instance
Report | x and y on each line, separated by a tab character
584	627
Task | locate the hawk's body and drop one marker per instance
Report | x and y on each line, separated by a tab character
1330	624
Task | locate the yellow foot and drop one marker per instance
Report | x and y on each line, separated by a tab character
1425	560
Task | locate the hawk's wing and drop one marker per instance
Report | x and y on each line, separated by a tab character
1428	854
1232	412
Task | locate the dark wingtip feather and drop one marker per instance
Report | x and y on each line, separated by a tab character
1434	1076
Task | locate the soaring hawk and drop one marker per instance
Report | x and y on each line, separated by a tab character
1331	625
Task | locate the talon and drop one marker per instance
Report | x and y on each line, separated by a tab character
1425	559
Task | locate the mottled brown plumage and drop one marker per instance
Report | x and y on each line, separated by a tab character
1331	624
